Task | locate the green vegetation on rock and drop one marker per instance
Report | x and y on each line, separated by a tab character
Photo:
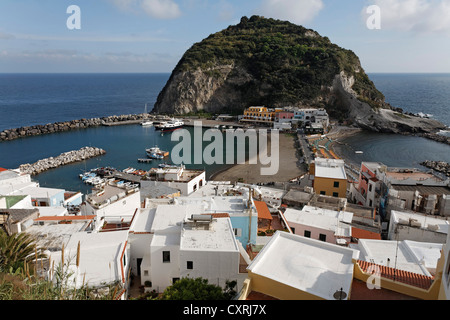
283	64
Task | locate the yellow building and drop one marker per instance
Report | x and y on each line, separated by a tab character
260	115
292	267
330	178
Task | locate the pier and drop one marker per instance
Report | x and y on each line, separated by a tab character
144	160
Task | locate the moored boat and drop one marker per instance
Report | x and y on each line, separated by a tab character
156	153
171	125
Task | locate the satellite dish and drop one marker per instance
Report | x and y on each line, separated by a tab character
340	295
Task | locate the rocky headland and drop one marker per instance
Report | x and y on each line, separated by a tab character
276	63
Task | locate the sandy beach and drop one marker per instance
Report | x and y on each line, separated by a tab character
288	168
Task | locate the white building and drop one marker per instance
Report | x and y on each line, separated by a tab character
112	201
294	267
187	181
411	256
321	224
167	244
209	249
417	227
444	293
104	259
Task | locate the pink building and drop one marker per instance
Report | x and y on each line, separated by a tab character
285	115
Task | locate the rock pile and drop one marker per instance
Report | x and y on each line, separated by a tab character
35	130
61	160
439	166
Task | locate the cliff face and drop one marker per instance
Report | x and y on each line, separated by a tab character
275	63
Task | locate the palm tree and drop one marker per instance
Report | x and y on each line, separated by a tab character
16	249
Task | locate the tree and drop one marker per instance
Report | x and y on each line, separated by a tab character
16	249
198	289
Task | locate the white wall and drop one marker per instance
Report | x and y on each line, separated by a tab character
161	272
122	207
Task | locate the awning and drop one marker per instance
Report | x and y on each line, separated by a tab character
263	210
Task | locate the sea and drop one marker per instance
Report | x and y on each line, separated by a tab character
32	99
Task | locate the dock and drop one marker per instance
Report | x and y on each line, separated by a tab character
144	160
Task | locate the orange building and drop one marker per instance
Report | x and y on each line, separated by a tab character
261	114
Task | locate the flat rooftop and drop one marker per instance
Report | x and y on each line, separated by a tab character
437	190
109	192
330	168
321	218
309	265
219	236
434	223
411	256
411	174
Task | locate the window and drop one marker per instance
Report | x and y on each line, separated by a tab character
336	184
335	194
190	265
447	272
307	234
323	193
166	256
370	188
323	237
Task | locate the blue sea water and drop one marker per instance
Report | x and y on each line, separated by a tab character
30	99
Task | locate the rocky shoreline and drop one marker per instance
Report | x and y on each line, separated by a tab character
22	132
61	160
439	166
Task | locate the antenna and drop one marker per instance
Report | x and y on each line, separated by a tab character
396	255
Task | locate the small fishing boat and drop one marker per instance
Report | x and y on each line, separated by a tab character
156	153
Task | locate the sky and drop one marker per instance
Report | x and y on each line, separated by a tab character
151	35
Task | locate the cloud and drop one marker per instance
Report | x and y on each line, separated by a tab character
417	16
158	9
296	11
6	36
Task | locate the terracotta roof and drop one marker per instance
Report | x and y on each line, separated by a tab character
365	234
406	277
62	218
217	215
263	210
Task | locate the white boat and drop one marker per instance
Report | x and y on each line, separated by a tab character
147	124
171	125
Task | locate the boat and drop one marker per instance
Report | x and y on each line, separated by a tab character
147	124
156	153
359	152
171	125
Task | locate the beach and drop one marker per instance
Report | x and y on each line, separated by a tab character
288	166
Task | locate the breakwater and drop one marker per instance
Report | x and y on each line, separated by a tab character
22	132
439	166
61	160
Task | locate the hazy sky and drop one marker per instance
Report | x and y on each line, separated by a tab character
152	35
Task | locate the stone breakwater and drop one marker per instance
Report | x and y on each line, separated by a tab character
11	134
61	160
439	166
436	137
